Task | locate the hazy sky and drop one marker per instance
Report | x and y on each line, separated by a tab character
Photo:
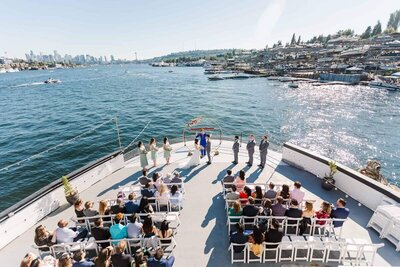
152	28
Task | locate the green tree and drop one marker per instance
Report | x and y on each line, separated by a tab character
367	33
391	20
293	41
377	29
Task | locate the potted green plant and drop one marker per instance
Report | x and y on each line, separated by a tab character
71	194
328	183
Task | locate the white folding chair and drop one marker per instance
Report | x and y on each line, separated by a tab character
368	249
333	246
285	245
291	226
299	244
316	245
240	256
352	250
270	248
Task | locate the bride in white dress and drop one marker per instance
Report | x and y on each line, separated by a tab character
195	159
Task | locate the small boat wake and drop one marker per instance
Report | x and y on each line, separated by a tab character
28	84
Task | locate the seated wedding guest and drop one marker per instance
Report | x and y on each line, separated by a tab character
43	237
323	213
99	232
284	193
65	260
250	210
145	206
165	232
265	210
228	179
238	237
278	209
148	228
156	179
256	240
273	235
148	191
104	257
31	260
175	197
293	211
119	258
143	180
119	207
307	214
167	179
134	227
257	195
118	230
158	260
130	205
340	212
140	260
244	195
235	210
270	193
104	209
176	179
80	259
297	193
240	181
78	207
162	195
233	195
89	211
67	235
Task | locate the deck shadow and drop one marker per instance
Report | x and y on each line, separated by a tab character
222	174
131	178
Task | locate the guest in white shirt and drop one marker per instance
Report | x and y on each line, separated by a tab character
67	235
175	197
134	228
162	195
297	193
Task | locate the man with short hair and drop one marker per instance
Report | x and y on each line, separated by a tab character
134	228
130	205
263	151
273	235
158	261
119	207
293	211
63	234
233	195
89	211
143	180
278	209
208	148
99	232
79	259
297	193
119	259
238	237
118	230
250	149
340	212
228	179
235	149
270	193
147	191
250	210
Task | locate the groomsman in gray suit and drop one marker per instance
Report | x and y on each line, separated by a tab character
235	149
263	151
250	149
208	148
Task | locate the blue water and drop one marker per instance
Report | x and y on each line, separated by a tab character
348	123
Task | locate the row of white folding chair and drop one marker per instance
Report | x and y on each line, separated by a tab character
171	217
392	233
137	188
264	187
326	247
57	249
322	226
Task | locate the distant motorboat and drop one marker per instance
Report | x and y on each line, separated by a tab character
51	80
240	76
293	85
170	71
215	78
384	85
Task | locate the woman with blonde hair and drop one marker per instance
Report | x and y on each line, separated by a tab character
104	209
167	150
307	214
162	195
153	149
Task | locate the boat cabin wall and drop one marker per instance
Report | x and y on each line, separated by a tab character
33	211
365	190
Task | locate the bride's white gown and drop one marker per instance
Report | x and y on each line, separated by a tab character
195	159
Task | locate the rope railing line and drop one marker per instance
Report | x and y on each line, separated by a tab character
137	136
56	146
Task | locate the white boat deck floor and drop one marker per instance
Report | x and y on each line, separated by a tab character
202	235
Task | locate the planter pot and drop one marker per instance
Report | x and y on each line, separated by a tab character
328	183
72	198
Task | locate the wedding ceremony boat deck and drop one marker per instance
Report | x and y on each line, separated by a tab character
202	237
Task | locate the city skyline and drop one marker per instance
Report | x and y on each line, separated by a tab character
157	28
